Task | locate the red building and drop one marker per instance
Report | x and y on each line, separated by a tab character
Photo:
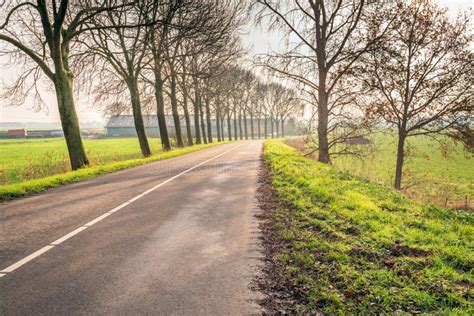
17	132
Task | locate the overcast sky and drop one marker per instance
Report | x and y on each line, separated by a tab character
257	38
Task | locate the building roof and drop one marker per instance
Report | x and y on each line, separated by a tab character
148	121
127	121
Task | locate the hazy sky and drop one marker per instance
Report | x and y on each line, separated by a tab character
257	38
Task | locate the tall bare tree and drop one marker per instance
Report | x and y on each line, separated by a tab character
45	31
421	73
321	50
125	51
189	24
157	44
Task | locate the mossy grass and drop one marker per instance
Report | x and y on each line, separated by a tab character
356	247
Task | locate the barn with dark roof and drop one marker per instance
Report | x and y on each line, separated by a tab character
124	126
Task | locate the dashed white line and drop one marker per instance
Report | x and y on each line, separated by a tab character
62	239
67	236
27	259
98	219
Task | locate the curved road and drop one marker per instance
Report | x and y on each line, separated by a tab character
173	237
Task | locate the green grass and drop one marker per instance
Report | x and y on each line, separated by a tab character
26	159
433	171
356	247
106	150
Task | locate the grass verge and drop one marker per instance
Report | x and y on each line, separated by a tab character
347	245
8	192
37	158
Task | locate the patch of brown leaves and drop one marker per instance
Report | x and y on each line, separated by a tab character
280	295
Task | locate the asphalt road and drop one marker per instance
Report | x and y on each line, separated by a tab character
173	237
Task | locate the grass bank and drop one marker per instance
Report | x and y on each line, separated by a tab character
8	192
347	245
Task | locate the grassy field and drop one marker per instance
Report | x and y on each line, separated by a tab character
26	159
107	160
350	246
433	172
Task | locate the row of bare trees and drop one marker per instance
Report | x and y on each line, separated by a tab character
248	107
360	64
163	59
169	56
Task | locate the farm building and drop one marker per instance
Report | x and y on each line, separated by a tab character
17	133
45	133
124	126
23	133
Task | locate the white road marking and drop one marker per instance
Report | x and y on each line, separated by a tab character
98	219
67	236
62	239
18	264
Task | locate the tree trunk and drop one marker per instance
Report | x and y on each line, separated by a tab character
222	126
277	126
258	127
272	123
240	124
203	126
400	160
229	127
218	119
218	126
252	133
265	129
138	119
160	111
323	143
235	124
197	100
208	120
189	133
245	126
70	122
174	109
282	127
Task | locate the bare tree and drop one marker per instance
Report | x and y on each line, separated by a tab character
321	50
219	46
183	82
259	99
45	32
125	51
289	105
190	24
421	74
157	45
